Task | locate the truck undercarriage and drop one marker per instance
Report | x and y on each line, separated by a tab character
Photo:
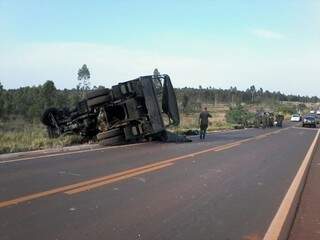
128	112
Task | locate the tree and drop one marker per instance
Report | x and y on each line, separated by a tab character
84	80
253	91
185	101
48	93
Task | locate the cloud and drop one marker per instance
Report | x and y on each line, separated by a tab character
33	64
267	34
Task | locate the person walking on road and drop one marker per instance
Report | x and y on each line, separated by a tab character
203	122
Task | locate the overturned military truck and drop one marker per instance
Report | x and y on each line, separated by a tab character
128	112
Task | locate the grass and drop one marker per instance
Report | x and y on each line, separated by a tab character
18	135
190	121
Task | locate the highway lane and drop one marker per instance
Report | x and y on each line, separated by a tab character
25	177
229	192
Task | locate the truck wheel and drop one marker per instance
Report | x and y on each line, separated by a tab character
109	134
45	118
98	93
117	140
94	102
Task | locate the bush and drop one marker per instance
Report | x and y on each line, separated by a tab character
239	115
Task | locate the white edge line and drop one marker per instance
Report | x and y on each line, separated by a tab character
277	226
69	153
99	149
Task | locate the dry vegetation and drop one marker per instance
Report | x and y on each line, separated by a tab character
217	122
17	135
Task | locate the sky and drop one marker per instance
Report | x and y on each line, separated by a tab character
270	44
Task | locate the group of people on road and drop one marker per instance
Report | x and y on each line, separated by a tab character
267	119
264	120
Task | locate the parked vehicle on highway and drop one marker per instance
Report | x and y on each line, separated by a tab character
309	121
295	118
317	117
129	111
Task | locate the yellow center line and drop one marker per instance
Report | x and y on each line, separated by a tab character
260	137
89	184
99	184
72	186
227	147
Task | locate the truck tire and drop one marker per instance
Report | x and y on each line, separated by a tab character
94	102
98	93
117	140
45	118
109	134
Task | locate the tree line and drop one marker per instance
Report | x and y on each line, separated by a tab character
30	102
190	98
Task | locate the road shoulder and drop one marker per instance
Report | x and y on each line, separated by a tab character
307	222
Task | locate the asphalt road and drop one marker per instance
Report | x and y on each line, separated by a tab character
226	187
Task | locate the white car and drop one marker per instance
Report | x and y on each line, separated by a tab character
295	118
318	112
312	112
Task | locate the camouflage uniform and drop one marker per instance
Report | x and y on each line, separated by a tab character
204	120
264	120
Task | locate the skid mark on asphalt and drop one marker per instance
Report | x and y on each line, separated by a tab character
101	181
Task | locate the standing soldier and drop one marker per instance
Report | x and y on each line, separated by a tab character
264	120
271	116
257	120
203	122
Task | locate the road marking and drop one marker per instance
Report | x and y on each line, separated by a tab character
76	185
100	149
69	153
260	137
67	188
227	147
105	178
277	226
99	184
